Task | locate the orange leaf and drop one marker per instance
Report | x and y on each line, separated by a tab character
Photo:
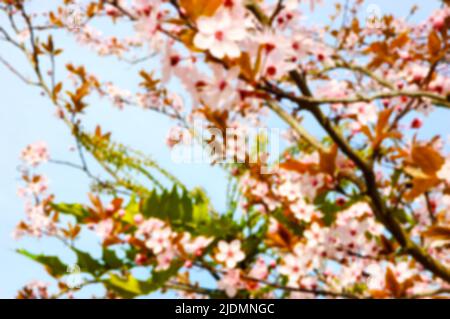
377	47
196	8
54	20
434	44
420	186
91	10
392	284
282	238
187	37
117	203
327	162
366	131
246	66
56	90
379	294
400	41
96	202
383	120
437	232
427	158
380	129
296	166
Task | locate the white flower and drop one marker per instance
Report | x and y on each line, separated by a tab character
23	35
219	34
303	211
230	253
147	227
315	235
159	240
36	186
220	91
292	268
165	259
365	113
417	73
403	271
104	228
231	282
178	135
196	245
289	190
39	223
118	96
376	277
35	154
259	270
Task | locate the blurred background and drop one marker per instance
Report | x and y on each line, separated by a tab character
27	117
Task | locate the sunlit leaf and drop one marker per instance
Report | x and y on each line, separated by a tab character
53	265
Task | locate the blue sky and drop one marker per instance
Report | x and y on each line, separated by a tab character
27	117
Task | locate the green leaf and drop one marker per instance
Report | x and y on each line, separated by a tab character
187	206
159	278
110	259
88	264
402	216
130	287
188	211
131	210
76	210
201	206
52	264
151	206
173	206
127	287
330	209
293	226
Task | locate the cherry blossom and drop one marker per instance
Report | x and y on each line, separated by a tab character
118	96
315	235
439	17
104	228
165	259
231	282
220	35
230	253
354	202
159	240
195	245
35	154
177	135
38	223
34	290
221	92
293	268
303	211
36	185
147	227
260	270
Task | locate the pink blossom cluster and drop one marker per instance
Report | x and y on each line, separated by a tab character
338	214
35	154
161	241
34	192
34	290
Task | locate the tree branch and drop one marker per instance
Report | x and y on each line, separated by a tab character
381	211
